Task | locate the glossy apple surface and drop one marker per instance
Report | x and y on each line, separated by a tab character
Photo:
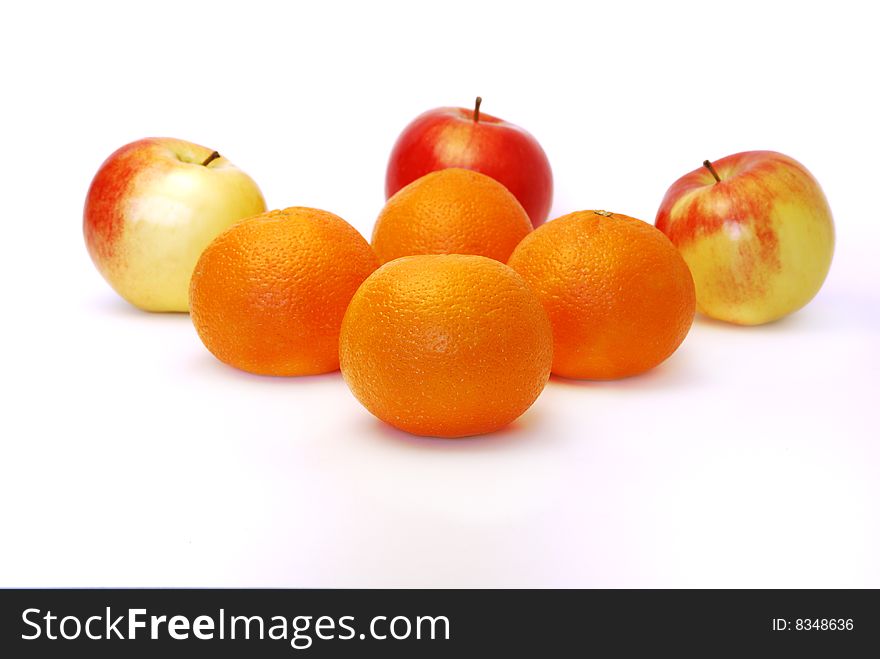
152	208
758	240
470	139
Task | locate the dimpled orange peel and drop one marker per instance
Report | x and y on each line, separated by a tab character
268	295
619	295
446	345
451	211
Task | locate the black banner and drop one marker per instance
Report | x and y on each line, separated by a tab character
435	623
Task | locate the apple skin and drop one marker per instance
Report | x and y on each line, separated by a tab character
759	242
151	210
450	137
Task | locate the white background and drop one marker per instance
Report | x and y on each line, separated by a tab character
131	457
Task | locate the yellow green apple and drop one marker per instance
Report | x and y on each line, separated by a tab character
151	210
755	230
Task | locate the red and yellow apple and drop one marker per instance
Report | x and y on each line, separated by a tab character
151	210
456	137
755	230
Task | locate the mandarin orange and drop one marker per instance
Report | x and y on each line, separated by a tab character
619	295
451	211
446	345
268	294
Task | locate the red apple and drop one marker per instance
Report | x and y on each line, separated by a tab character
152	208
456	137
755	230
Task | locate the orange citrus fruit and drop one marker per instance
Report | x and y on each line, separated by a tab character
619	295
268	294
446	345
451	211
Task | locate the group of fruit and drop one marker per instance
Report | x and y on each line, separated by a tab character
450	323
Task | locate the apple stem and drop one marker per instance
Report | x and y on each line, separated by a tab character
214	155
708	165
477	109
